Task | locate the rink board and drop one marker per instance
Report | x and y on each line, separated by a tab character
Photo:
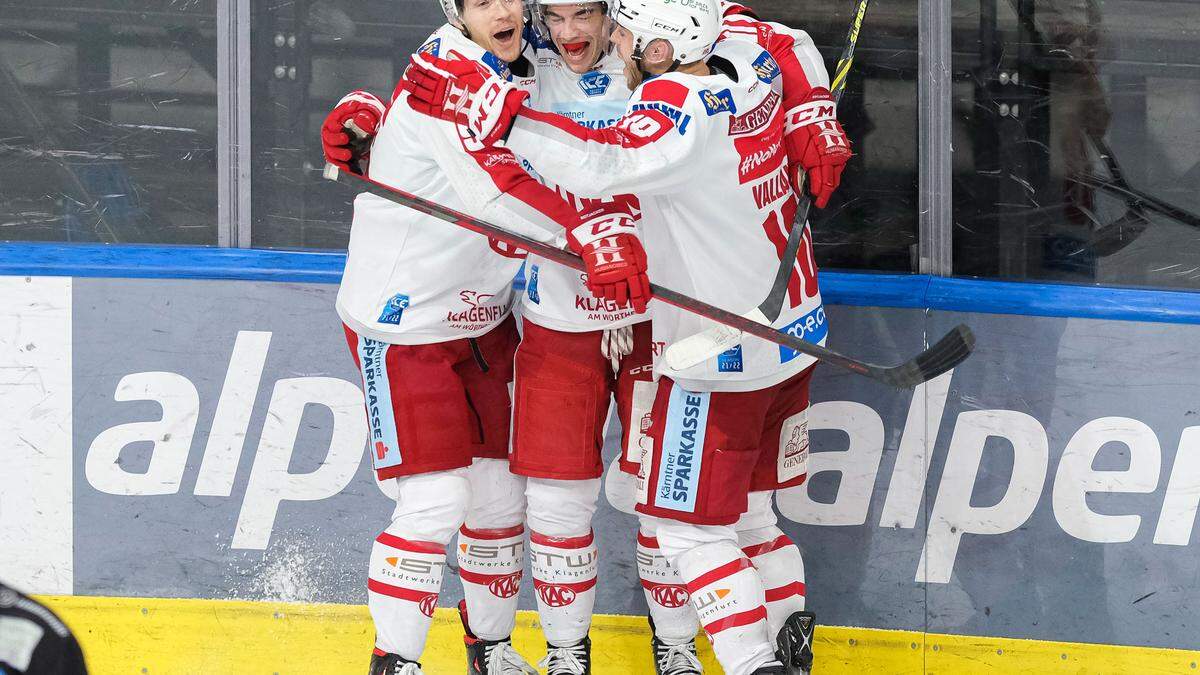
202	438
154	635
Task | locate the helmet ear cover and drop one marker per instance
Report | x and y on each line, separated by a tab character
691	27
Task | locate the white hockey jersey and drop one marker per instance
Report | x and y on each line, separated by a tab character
555	296
704	155
413	279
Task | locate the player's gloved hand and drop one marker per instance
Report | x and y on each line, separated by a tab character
464	92
817	146
615	259
348	129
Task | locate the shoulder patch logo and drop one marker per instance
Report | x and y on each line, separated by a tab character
720	102
499	67
432	48
594	83
765	68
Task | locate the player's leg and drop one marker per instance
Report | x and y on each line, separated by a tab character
562	389
408	560
781	567
491	542
696	486
491	555
564	560
418	418
673	621
782	463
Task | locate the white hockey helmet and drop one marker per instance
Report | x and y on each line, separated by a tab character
543	33
690	26
453	11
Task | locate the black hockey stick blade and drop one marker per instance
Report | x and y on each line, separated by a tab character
947	353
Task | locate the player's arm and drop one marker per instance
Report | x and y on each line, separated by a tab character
648	150
494	185
604	233
817	145
651	149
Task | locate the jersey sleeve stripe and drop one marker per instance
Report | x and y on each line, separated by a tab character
666	91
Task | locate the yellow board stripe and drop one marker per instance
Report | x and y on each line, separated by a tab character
155	635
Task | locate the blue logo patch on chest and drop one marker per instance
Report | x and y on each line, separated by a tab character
765	68
432	48
594	83
720	102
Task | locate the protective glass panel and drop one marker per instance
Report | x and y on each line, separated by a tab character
304	56
871	222
108	122
1076	144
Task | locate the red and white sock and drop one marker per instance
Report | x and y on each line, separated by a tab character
489	564
726	592
564	576
674	618
781	568
403	582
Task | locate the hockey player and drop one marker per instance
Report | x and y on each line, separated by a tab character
746	408
562	326
426	314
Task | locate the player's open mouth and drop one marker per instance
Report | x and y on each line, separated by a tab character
575	49
504	37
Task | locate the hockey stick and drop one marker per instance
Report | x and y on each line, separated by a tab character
946	354
702	346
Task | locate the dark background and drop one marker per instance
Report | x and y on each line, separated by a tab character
108	127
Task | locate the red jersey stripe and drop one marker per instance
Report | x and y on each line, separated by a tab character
410	594
773	545
777	594
734	620
728	569
666	91
407	545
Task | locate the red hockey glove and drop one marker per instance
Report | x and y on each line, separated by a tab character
463	92
615	259
364	111
816	145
